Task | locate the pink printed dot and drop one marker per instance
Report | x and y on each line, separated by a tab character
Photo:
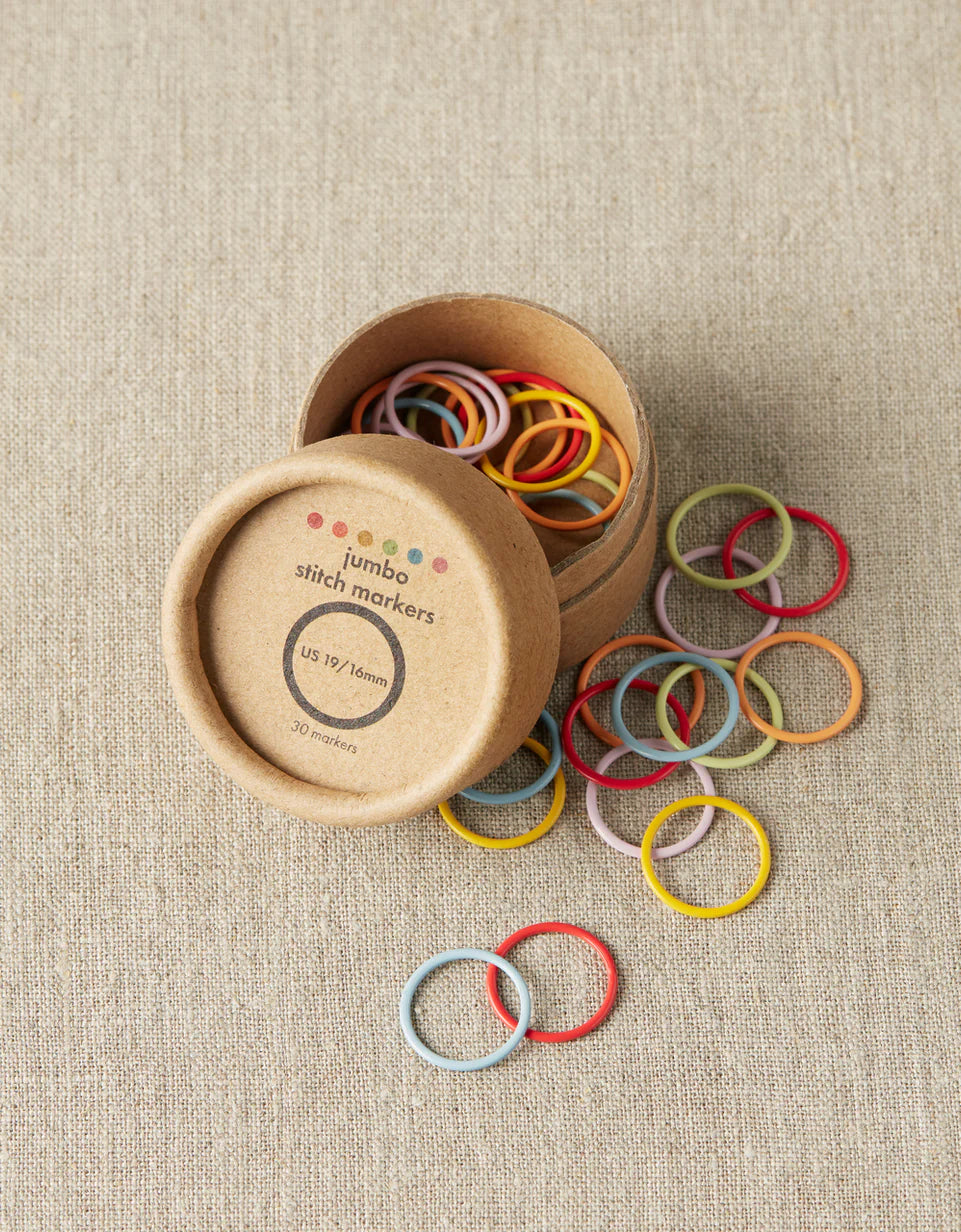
439	565
314	521
339	529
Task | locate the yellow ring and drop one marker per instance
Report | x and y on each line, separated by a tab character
559	481
520	840
705	913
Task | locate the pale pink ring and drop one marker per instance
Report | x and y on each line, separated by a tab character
734	652
379	422
628	849
496	409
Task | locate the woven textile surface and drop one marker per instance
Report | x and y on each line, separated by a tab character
755	205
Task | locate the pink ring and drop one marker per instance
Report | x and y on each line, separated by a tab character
735	652
497	411
628	849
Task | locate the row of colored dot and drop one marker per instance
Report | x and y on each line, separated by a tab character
315	521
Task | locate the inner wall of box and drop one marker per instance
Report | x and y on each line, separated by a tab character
488	333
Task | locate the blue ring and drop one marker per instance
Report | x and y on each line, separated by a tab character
435	408
699	750
524	793
578	498
441	960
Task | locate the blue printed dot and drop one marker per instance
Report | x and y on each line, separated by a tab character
415	556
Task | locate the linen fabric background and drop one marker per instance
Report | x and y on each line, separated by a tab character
756	205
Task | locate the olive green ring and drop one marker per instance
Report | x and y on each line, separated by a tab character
730	489
718	763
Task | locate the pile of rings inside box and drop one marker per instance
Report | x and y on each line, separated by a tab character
475	411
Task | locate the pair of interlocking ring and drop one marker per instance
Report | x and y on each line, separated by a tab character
730	552
476	416
520	1026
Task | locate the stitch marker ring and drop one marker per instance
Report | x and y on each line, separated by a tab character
628	849
733	652
517	840
678	904
673	754
730	489
441	960
542	780
774	607
720	763
810	639
595	1020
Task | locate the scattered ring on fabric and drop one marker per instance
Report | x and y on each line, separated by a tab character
525	793
678	904
720	763
604	515
628	849
594	776
441	960
672	755
733	652
518	840
568	494
618	643
773	608
555	1037
527	416
809	639
473	422
493	401
729	489
602	481
590	424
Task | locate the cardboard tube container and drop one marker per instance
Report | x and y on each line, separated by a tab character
361	629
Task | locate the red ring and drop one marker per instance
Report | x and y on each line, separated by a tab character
604	780
802	515
548	472
554	1037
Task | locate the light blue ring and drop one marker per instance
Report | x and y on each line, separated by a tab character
542	780
681	656
435	408
441	960
569	494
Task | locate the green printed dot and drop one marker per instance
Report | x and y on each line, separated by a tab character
415	556
390	547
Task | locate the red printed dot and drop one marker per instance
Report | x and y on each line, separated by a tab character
439	565
314	521
339	529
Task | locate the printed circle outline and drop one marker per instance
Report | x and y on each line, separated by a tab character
389	636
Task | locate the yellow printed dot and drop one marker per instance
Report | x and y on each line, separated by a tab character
365	538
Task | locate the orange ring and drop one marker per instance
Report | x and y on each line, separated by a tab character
623	483
443	382
363	402
634	639
809	639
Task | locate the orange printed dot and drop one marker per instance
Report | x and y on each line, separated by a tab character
439	565
339	529
314	521
365	538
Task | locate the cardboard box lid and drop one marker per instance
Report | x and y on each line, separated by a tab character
361	629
